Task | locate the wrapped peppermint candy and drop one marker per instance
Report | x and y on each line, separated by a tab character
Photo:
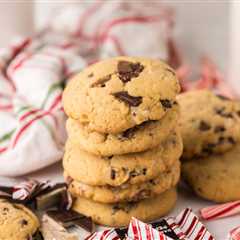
39	195
234	234
184	226
220	210
140	230
66	225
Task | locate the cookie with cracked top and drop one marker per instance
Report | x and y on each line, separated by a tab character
209	123
217	177
116	94
142	137
120	214
116	170
16	221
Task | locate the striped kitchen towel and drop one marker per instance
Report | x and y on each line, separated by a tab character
34	70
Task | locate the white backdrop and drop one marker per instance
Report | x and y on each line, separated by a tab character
203	27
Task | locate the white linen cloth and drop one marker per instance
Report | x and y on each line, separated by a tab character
34	70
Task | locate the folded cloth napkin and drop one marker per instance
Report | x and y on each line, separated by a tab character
33	72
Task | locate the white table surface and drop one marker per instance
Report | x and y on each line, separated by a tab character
219	228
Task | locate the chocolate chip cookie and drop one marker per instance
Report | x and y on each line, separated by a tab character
120	214
209	123
137	139
114	95
128	192
116	170
16	221
215	178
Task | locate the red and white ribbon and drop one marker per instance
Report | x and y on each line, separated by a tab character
220	210
138	230
234	234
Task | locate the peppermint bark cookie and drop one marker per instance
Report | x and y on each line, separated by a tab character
209	123
119	169
114	95
215	178
16	221
120	214
137	139
128	192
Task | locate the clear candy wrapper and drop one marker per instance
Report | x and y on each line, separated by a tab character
185	226
234	234
39	195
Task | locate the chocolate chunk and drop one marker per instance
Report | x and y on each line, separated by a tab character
56	196
90	75
222	113
166	103
204	126
113	174
130	100
129	133
222	97
219	129
221	140
137	172
171	71
208	149
23	222
141	195
126	207
70	218
134	174
101	82
127	70
231	140
65	201
152	182
66	225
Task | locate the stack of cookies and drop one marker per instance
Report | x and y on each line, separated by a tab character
122	154
210	128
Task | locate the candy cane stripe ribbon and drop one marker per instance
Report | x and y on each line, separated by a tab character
220	210
234	234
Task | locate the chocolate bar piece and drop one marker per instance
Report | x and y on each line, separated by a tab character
5	192
164	227
67	225
51	198
161	226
